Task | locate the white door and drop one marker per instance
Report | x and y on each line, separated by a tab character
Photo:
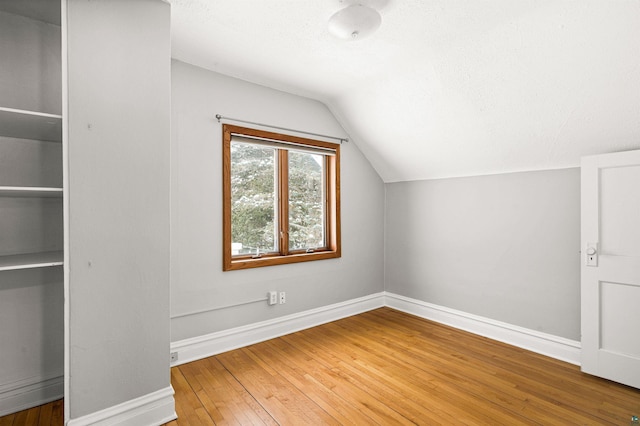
611	266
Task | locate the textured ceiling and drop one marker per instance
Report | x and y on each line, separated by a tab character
445	87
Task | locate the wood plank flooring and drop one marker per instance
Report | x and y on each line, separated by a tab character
50	414
384	367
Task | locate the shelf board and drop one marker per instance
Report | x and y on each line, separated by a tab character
31	260
29	191
17	123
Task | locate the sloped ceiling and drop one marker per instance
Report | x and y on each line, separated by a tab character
445	87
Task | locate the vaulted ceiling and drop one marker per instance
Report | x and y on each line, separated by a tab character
444	87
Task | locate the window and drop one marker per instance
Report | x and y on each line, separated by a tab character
281	199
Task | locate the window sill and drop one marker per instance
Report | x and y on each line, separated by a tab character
247	263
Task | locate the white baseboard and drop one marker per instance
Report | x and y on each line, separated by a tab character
546	344
31	392
155	408
212	344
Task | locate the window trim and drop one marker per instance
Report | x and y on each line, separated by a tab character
332	184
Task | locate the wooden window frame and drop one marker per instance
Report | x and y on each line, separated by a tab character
332	216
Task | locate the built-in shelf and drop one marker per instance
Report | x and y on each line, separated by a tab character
31	260
17	123
30	191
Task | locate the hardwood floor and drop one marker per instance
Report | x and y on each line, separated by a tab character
50	414
384	367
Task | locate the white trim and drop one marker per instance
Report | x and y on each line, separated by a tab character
30	392
155	408
211	344
64	56
532	340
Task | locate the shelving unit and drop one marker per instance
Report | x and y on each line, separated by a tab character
17	123
32	260
30	126
29	191
31	204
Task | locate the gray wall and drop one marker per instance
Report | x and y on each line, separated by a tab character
118	157
30	72
197	280
504	247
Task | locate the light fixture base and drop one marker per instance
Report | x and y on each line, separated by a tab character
354	22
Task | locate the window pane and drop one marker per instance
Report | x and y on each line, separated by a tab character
306	201
253	199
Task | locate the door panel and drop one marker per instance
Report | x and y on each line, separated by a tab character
610	284
620	211
619	318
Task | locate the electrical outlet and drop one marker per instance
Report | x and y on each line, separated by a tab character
283	297
174	356
273	298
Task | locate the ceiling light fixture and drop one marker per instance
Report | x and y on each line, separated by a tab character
354	22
